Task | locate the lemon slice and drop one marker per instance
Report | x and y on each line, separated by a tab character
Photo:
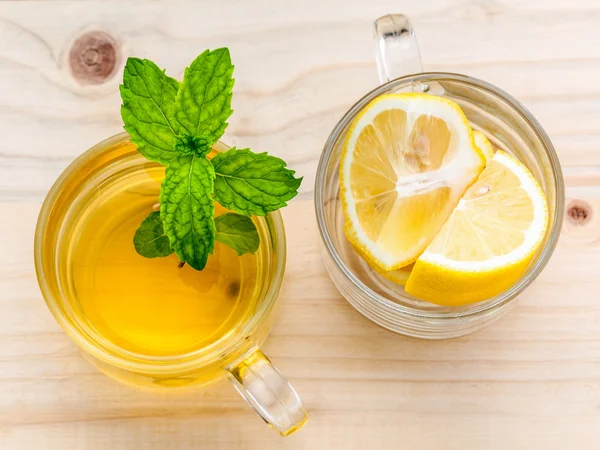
407	160
489	239
484	145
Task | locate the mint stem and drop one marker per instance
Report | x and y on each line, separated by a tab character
181	264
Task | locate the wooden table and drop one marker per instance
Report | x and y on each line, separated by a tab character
530	381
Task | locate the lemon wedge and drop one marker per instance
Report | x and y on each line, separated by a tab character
406	162
483	143
489	240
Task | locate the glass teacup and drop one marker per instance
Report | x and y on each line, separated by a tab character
509	127
109	168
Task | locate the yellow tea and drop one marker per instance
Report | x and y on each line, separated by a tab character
153	306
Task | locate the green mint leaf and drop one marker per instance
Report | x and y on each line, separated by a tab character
192	145
253	183
187	209
148	109
204	101
150	239
238	232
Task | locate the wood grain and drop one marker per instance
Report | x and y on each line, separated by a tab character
530	381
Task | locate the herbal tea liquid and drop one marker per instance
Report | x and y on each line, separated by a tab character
152	306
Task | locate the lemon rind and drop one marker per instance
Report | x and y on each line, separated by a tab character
484	145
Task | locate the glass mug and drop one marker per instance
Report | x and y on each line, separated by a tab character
106	166
506	123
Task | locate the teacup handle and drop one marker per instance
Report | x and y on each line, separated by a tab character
268	392
396	47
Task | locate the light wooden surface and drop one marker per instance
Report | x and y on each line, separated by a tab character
530	381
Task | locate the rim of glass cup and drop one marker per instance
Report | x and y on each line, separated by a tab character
477	308
126	359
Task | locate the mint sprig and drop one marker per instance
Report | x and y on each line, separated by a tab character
187	210
204	99
148	109
253	184
238	232
150	239
176	124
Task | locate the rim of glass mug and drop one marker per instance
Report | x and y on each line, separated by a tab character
478	308
125	359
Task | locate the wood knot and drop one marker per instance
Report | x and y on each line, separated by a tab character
94	57
578	212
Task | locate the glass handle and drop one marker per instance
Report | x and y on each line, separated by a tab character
396	47
268	392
